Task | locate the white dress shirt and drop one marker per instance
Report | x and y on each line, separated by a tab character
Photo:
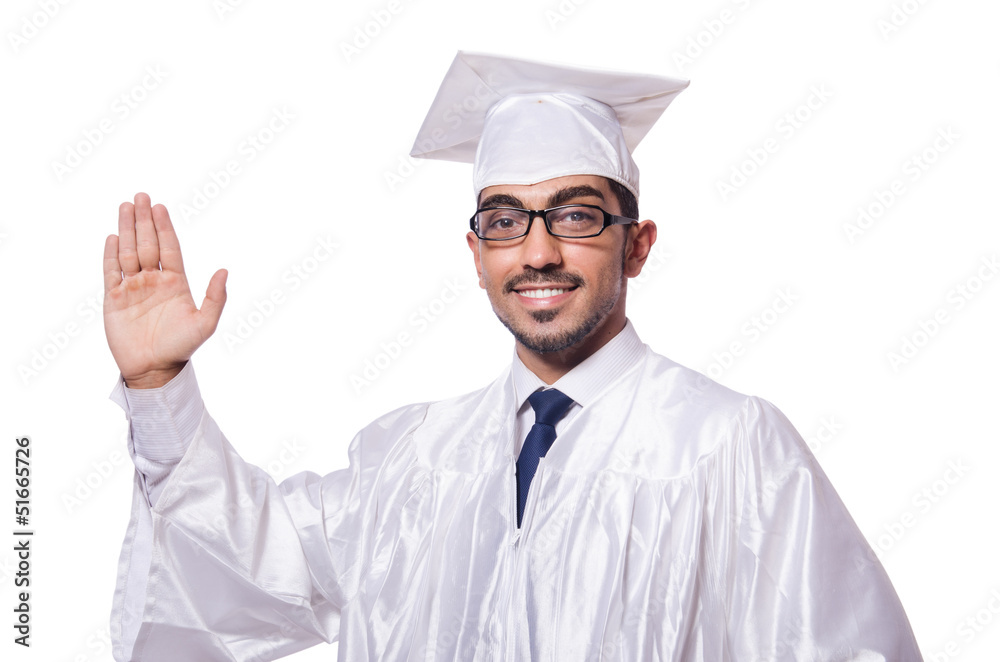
583	383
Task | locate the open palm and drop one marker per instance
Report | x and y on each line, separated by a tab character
151	321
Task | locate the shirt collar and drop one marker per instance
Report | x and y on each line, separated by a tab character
584	382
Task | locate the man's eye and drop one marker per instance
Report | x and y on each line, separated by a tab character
503	219
502	222
576	215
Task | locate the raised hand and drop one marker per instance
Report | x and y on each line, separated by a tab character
151	321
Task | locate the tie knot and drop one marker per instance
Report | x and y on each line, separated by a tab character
549	405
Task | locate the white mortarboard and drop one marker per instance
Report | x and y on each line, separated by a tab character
523	122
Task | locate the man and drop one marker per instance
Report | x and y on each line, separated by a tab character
596	502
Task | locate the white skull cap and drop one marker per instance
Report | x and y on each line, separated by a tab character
523	122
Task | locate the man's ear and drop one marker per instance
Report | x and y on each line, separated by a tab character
474	247
641	237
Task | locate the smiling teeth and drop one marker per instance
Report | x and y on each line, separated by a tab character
541	294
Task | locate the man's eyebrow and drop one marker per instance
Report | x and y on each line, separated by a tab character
566	195
560	197
501	200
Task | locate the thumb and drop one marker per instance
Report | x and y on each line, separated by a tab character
215	300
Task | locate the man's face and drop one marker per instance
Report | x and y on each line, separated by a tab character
554	293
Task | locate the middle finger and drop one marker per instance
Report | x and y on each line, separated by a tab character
147	246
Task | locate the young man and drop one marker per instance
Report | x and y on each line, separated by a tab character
596	502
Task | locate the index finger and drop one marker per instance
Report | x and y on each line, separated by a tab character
170	247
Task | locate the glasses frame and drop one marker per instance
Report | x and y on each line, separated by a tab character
609	220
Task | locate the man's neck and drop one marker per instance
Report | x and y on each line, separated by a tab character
550	366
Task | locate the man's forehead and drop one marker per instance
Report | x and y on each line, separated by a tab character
551	192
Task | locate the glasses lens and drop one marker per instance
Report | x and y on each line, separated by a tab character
501	223
575	221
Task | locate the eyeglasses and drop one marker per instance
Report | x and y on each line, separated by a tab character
569	221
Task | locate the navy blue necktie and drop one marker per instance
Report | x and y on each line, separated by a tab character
549	407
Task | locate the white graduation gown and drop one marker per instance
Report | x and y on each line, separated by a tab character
673	519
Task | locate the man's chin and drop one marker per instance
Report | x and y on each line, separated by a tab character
544	344
545	341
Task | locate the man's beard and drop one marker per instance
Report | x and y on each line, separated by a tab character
542	342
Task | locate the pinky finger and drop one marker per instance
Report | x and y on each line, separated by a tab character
112	268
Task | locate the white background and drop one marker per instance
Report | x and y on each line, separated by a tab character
885	93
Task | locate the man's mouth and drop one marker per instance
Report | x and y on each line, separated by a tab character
543	292
539	285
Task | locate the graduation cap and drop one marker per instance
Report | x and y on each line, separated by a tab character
523	122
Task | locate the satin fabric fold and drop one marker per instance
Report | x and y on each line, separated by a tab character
672	520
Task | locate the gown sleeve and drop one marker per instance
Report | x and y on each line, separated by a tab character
803	582
228	565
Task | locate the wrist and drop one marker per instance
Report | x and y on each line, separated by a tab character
153	378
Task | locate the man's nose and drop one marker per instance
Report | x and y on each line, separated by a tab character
539	249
